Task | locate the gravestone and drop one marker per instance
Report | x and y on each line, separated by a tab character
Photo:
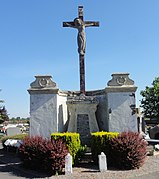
13	143
154	132
83	120
13	131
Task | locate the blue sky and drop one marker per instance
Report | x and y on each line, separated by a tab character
33	42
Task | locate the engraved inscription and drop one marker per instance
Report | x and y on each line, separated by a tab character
83	127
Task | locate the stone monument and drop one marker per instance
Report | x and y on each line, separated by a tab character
109	109
82	108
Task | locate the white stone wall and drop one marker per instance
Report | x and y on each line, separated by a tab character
121	103
49	107
102	112
62	112
43	112
121	116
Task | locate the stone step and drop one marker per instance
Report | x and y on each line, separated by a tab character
87	156
88	149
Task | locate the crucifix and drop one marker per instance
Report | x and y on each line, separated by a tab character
80	25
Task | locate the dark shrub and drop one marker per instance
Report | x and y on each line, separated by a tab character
43	155
128	150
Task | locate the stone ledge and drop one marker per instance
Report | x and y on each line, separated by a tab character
124	88
82	99
43	91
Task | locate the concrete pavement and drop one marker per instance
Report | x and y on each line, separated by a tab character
11	167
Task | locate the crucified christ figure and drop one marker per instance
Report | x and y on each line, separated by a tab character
80	25
81	37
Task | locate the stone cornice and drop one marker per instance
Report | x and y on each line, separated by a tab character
43	84
43	91
63	93
126	88
120	79
82	99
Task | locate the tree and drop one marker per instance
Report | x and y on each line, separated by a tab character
150	101
3	113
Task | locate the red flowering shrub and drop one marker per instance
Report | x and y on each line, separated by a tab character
44	155
128	150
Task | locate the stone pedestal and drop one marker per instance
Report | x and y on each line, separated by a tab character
48	111
121	103
82	117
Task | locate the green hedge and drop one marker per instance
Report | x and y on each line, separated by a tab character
72	141
100	143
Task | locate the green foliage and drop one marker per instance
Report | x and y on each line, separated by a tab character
127	151
72	141
19	120
43	155
3	114
150	101
17	137
1	135
100	143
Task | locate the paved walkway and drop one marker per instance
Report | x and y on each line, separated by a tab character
11	167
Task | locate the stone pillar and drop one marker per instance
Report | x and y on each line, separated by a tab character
102	162
43	107
68	164
82	117
121	103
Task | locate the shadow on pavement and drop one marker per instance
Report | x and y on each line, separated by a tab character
11	164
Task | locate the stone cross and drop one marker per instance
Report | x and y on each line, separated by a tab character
80	25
